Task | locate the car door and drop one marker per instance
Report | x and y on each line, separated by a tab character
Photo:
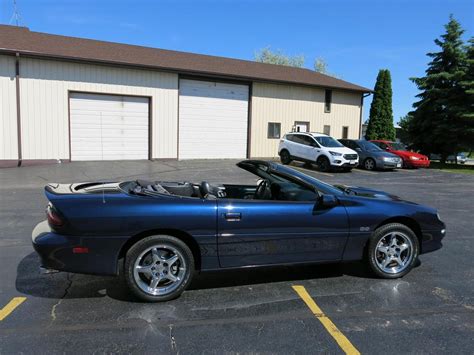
259	232
358	149
312	148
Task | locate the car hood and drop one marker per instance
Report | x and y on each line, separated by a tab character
381	154
406	153
342	150
370	193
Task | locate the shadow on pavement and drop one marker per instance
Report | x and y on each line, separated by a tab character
70	286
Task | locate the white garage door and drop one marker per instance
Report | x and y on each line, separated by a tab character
108	127
213	119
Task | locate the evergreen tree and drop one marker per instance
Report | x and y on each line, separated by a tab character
438	121
381	115
468	86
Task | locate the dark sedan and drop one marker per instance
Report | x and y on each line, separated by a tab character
167	231
372	157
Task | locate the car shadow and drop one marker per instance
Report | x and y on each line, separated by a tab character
65	285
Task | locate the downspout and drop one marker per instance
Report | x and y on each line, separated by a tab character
18	115
361	110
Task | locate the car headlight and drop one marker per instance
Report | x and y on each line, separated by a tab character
387	159
336	154
414	158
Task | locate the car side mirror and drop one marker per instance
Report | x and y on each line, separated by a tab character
358	149
327	201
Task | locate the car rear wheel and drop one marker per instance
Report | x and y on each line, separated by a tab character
392	251
285	157
323	164
369	164
158	268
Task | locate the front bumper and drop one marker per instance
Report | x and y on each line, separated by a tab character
417	163
343	163
57	251
432	240
384	164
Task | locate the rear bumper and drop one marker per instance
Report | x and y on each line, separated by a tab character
56	251
432	240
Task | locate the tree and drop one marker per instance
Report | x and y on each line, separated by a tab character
266	55
381	115
439	121
468	86
320	66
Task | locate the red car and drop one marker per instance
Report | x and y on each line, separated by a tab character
410	159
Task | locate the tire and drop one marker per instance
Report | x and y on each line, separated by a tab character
285	157
382	250
369	164
150	255
323	164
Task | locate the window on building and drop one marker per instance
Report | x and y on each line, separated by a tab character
274	129
345	132
301	126
327	100
327	130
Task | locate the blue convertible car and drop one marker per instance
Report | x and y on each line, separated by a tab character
166	231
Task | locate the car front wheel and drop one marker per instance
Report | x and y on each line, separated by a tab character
158	268
323	164
369	164
392	251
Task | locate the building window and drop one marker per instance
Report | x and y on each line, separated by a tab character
345	132
274	130
327	100
301	126
327	130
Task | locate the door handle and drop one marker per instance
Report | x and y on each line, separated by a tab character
232	216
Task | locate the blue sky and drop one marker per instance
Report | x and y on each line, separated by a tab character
356	38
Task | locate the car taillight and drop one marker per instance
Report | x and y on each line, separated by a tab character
54	218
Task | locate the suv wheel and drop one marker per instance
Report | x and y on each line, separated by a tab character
285	157
323	164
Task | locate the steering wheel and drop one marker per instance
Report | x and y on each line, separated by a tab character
261	189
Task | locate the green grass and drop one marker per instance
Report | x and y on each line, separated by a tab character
453	168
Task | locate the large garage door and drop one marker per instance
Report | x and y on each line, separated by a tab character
213	119
108	127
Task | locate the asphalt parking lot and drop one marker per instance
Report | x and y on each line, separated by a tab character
431	310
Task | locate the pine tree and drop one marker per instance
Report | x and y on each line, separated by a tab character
468	86
437	124
381	115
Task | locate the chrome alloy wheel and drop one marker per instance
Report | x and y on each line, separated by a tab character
159	270
394	252
369	164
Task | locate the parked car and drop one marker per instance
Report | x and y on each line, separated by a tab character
461	158
371	156
410	159
318	148
166	231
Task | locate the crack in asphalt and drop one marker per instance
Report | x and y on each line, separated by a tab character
173	344
66	291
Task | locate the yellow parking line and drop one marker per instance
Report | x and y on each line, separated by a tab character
10	307
340	338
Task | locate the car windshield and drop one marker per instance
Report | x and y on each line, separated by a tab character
328	142
369	146
320	186
398	146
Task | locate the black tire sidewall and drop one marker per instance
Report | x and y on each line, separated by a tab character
285	157
137	249
323	166
375	238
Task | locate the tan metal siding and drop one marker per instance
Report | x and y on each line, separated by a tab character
44	103
8	121
287	104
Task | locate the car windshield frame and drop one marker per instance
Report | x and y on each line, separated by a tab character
328	142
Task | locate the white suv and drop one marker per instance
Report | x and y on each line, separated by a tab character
317	148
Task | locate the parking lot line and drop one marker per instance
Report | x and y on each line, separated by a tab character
10	307
364	171
340	338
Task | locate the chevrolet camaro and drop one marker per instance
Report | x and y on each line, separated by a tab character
159	234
